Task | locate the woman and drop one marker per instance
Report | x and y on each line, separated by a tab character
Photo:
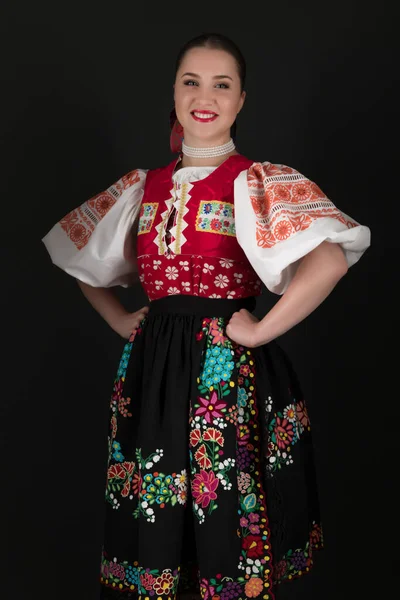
211	485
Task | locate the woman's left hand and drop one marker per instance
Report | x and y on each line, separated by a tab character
243	329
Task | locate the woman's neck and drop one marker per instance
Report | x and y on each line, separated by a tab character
188	161
196	154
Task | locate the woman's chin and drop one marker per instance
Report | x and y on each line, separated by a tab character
203	135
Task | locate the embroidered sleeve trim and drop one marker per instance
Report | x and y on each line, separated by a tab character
80	223
287	203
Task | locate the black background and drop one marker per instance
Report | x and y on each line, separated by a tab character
86	96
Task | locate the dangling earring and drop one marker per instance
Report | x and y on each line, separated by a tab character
176	137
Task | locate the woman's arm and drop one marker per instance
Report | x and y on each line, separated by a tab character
106	303
316	276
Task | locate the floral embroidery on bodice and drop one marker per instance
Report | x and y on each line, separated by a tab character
186	241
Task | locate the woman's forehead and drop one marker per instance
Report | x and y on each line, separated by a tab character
206	60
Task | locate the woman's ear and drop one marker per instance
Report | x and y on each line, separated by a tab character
241	102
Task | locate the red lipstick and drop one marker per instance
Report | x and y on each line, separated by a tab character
209	116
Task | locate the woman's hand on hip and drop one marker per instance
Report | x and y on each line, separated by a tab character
125	324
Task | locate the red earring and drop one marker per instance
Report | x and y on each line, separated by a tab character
176	137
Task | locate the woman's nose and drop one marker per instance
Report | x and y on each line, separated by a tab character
205	97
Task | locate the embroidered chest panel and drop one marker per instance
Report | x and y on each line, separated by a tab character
190	218
217	217
186	242
147	215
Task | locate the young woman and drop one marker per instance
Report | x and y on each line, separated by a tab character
211	486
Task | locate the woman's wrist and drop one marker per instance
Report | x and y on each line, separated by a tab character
260	335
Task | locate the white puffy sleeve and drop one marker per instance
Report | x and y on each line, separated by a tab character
280	216
95	242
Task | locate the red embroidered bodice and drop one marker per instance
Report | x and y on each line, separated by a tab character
186	241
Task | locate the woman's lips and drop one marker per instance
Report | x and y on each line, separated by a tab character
204	116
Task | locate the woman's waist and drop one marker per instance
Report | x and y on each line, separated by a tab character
197	276
186	304
183	262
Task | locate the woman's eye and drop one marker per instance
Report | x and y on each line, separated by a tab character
191	82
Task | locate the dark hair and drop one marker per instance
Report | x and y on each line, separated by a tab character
216	41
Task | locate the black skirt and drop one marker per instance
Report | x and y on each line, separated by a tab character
211	483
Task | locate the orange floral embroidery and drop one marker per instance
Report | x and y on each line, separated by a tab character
283	230
285	202
101	203
282	193
301	191
254	587
130	178
80	223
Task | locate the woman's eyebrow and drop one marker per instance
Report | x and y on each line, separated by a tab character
215	76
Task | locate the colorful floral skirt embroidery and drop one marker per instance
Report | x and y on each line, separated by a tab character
210	483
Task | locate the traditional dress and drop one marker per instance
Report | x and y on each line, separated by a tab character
211	482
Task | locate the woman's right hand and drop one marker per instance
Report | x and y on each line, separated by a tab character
125	324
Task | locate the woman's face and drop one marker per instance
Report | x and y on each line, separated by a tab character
207	96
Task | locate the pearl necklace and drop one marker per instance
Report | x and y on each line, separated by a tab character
208	152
